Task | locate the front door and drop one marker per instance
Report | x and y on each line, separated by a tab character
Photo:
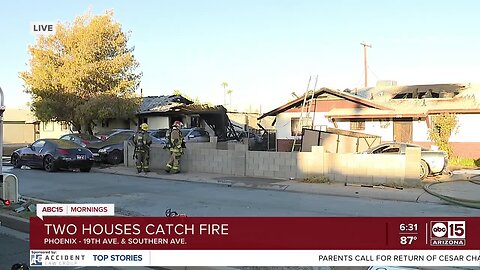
36	131
402	130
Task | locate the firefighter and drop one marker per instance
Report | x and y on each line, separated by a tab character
142	143
175	144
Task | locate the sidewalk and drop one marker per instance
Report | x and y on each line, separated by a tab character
452	188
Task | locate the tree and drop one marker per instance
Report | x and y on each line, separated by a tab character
224	85
441	129
229	93
83	73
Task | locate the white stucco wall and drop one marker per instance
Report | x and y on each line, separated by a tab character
52	130
283	126
372	127
380	128
420	131
156	122
467	128
283	123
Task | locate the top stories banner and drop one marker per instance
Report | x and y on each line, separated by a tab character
89	235
254	233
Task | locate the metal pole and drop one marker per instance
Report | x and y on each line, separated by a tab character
2	109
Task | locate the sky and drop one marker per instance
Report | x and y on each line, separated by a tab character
266	49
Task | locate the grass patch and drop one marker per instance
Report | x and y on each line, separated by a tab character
26	213
464	162
316	180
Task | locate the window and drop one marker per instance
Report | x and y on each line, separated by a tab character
38	144
357	125
195	121
64	126
392	150
380	149
48	126
196	133
296	128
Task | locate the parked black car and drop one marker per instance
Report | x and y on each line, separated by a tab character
111	150
81	138
52	155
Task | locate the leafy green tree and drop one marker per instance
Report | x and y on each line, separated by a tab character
441	129
83	73
229	93
224	85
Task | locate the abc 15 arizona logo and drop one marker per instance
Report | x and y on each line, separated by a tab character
448	233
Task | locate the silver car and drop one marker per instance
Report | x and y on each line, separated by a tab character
432	161
195	135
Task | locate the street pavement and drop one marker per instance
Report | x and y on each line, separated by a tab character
223	195
203	194
457	185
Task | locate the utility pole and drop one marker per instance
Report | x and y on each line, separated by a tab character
365	45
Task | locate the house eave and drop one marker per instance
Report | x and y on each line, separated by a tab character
342	95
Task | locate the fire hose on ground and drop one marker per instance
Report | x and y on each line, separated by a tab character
451	199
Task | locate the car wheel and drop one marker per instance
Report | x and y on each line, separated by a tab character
424	169
15	160
86	169
49	164
115	157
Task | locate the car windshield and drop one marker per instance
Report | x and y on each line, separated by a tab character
109	132
65	144
119	137
414	145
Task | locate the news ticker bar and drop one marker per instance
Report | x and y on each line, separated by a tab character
254	233
255	258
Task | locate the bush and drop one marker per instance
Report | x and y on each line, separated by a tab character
316	179
477	162
464	162
441	128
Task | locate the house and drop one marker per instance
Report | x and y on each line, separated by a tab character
396	113
21	127
324	100
160	112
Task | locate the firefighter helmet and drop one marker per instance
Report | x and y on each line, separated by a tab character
144	126
178	124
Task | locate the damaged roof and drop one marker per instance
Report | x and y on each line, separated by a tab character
464	102
162	103
176	104
344	95
413	91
